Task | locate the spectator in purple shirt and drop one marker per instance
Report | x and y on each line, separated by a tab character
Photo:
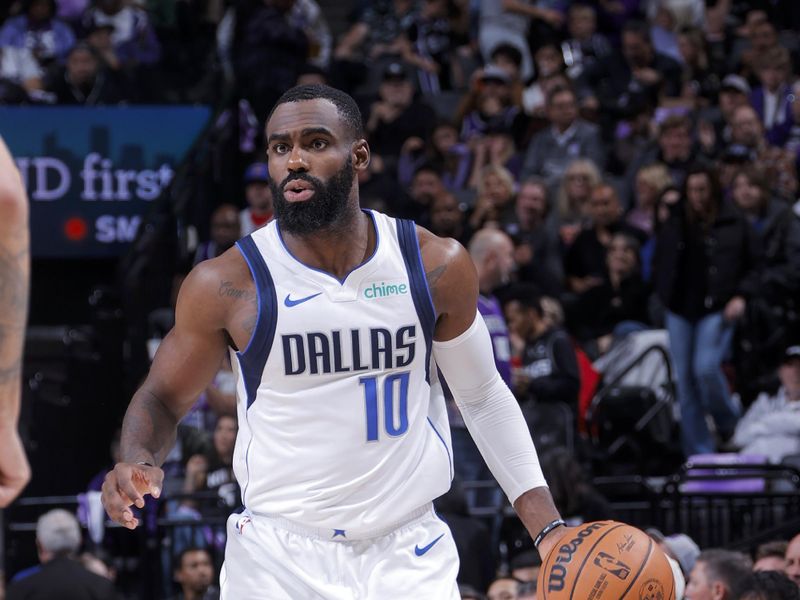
492	251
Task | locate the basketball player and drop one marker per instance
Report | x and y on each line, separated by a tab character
14	266
337	319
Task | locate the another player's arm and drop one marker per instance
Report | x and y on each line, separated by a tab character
184	365
14	274
463	351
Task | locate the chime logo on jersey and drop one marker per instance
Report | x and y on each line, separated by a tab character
384	289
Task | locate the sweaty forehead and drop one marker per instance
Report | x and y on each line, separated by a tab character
293	117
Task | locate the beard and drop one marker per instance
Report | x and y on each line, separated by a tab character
326	207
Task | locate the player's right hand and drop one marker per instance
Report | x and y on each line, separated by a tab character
126	486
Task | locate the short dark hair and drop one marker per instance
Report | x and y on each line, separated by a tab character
560	89
527	294
713	180
178	565
730	568
678	121
769	585
639	28
345	105
427	167
509	51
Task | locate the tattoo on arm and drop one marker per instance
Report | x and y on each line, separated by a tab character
228	290
434	275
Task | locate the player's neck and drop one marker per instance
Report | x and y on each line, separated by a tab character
338	249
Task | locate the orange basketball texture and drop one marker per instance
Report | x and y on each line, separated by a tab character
606	560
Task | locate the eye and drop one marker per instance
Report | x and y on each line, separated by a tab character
319	144
280	148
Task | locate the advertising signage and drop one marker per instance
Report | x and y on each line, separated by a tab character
92	173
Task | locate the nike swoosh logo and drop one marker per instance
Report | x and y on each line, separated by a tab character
289	302
420	551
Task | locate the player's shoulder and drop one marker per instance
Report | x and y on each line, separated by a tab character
436	249
448	268
230	265
214	283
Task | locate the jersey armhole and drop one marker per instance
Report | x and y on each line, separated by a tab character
253	358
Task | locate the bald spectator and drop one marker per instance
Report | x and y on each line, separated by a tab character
493	254
62	576
771	556
718	575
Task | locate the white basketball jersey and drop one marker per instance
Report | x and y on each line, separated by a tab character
342	423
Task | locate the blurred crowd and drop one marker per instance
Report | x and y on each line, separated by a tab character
616	168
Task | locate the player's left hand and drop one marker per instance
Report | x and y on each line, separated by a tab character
15	472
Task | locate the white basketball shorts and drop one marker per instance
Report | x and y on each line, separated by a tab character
269	558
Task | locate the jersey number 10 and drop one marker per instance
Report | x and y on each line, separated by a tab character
395	414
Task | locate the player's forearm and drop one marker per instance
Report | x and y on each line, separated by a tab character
14	277
148	431
536	510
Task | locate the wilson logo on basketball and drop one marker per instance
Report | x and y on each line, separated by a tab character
612	565
558	572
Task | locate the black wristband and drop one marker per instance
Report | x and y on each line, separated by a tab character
547	529
145	464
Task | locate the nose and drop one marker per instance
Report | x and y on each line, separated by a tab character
297	160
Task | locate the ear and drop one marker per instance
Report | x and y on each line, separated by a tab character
719	591
361	154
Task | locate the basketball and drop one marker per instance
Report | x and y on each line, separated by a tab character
606	560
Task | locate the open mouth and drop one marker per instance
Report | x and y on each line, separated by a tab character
298	190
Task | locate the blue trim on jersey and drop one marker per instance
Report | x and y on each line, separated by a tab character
439	435
341	281
420	293
253	358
